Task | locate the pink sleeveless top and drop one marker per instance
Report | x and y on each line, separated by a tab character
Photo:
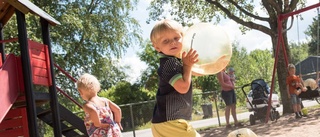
227	80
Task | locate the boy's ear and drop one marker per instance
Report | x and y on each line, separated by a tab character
156	47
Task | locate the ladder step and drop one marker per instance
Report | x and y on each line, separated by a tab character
43	113
68	129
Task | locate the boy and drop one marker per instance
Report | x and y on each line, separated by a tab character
174	96
294	88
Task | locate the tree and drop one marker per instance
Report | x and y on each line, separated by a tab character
123	93
149	77
241	12
299	52
92	35
313	33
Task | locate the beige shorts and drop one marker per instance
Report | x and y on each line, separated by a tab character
174	128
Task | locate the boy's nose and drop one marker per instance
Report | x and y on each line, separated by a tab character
172	42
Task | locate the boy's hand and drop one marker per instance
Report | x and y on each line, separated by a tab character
297	92
190	58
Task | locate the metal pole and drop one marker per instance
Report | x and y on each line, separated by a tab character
317	77
27	75
56	122
215	102
132	122
2	45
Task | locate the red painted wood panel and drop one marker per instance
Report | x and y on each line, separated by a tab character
15	123
13	113
25	122
40	63
20	75
12	133
0	60
40	72
11	123
9	86
41	81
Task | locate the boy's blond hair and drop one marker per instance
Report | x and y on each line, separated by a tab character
291	66
88	83
162	26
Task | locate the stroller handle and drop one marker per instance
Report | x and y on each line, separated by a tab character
246	85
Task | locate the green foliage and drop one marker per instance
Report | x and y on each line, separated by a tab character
298	52
313	32
206	83
183	10
125	93
243	12
91	37
149	77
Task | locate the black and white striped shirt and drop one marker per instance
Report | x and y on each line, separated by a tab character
170	104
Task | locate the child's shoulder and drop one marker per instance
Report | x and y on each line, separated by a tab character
104	99
88	106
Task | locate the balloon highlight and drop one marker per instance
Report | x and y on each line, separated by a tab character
213	46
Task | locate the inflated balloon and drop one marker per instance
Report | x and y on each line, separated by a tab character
242	132
311	83
212	45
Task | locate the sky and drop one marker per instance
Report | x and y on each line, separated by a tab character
251	40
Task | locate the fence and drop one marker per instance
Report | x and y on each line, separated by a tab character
137	115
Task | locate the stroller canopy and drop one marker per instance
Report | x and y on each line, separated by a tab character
260	83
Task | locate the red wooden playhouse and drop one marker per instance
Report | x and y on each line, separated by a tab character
19	102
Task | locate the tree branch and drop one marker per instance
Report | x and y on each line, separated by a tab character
273	4
293	5
246	12
239	20
271	11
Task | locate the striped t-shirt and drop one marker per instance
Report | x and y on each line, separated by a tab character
170	104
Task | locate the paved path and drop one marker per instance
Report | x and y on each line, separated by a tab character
209	121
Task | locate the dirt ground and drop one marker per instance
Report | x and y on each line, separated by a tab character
286	126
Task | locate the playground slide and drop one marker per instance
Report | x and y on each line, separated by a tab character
9	85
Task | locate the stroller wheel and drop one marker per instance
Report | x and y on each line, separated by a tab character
252	119
277	115
263	120
272	115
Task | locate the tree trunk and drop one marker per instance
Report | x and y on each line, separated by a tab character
282	72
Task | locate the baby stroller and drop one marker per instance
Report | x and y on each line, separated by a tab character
259	103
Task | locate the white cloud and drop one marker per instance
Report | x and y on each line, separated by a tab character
136	66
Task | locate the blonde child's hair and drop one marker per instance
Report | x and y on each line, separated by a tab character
88	83
162	26
291	66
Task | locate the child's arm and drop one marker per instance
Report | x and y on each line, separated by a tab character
182	85
116	113
288	92
94	116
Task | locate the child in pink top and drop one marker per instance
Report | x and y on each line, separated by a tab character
103	117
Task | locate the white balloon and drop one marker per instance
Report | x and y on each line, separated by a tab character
242	132
212	45
311	83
